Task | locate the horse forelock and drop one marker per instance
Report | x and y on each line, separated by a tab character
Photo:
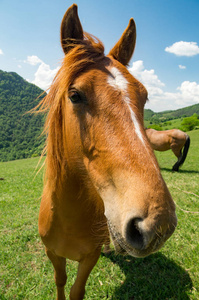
80	57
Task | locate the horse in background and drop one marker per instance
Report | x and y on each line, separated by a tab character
174	139
100	167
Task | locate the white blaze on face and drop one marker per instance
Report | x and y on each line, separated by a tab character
118	81
135	122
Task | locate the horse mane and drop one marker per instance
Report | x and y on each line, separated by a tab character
80	56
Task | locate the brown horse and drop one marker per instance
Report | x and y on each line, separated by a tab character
101	173
173	139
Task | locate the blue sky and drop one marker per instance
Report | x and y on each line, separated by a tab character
166	58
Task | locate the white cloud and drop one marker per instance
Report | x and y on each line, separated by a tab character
33	60
159	100
44	75
1	52
183	48
182	67
147	77
189	92
185	95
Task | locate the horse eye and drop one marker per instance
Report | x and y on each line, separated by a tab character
77	97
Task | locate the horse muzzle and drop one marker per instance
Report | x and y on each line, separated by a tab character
140	238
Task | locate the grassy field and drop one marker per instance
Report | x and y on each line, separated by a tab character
172	273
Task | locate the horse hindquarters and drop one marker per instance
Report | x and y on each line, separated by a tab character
183	155
185	150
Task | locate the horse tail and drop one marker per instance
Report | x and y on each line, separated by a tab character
184	154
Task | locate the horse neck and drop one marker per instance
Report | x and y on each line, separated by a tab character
68	183
74	193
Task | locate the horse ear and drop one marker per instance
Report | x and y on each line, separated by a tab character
124	48
71	28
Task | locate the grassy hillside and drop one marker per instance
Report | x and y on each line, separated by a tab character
19	132
172	273
172	114
175	123
173	119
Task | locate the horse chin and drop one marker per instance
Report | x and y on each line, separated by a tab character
122	247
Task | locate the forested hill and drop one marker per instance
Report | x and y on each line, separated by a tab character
19	132
172	114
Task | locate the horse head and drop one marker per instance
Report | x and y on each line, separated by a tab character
102	144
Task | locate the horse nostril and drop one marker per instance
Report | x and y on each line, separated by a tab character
134	234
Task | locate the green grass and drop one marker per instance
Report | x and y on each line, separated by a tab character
176	123
172	273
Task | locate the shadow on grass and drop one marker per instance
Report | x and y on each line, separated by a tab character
153	278
180	171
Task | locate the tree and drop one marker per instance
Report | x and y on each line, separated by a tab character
156	127
190	123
